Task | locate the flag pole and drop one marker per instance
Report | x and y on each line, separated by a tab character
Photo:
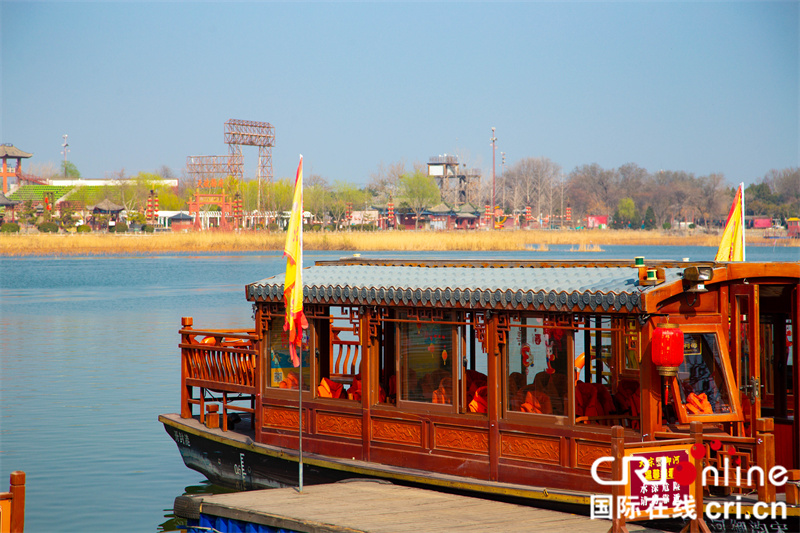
296	321
300	381
744	249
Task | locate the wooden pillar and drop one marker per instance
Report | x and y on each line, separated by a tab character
617	491
493	399
698	524
650	387
17	501
765	456
186	407
369	378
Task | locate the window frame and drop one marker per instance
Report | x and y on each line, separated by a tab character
684	417
404	315
549	419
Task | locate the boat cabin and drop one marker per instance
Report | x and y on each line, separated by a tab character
511	372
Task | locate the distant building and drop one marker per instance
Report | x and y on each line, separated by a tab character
457	186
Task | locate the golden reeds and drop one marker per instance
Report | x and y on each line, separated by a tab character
591	240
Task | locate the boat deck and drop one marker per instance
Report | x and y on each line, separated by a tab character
375	507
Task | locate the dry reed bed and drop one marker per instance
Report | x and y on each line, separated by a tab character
90	244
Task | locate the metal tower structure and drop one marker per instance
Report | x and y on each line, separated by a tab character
457	186
238	133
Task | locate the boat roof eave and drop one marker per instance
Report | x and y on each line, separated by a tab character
555	286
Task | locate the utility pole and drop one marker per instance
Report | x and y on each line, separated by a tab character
66	149
494	141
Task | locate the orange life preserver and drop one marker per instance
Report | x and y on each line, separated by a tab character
586	402
442	394
698	404
330	389
475	380
536	402
290	381
354	392
478	403
629	399
580	362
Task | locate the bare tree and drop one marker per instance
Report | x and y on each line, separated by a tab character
596	188
711	201
385	180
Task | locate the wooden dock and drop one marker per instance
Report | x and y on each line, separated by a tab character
374	507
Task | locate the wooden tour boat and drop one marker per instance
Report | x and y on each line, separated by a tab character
505	378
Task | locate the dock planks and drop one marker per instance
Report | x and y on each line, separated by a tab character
379	507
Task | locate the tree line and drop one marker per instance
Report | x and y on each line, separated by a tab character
630	195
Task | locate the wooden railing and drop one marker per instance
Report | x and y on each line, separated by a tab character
726	453
218	362
344	355
621	449
12	505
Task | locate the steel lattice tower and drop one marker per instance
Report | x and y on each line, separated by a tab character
238	133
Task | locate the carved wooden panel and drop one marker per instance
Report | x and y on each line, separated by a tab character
458	439
541	450
397	432
341	426
282	418
588	452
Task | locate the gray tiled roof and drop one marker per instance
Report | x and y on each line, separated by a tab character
564	288
8	150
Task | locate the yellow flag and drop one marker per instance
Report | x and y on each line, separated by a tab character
293	286
731	248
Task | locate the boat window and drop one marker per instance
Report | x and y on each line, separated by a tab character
537	362
596	340
473	391
282	373
339	357
630	348
425	361
387	362
701	376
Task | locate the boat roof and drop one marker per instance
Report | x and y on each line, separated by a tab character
566	286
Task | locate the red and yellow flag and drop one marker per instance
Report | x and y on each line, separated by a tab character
293	286
731	248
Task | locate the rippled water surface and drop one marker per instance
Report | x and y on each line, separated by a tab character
89	359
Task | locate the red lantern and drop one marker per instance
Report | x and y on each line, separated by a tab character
666	349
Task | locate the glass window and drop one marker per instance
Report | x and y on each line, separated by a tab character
701	376
425	362
537	367
282	374
630	338
473	376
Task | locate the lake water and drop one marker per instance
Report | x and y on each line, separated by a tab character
89	359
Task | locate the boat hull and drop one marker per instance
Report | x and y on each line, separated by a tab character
233	462
231	459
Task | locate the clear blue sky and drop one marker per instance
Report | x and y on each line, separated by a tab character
701	87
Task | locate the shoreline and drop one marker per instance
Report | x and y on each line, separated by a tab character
21	245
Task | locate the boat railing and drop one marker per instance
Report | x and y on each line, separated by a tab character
727	453
620	449
12	504
223	365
